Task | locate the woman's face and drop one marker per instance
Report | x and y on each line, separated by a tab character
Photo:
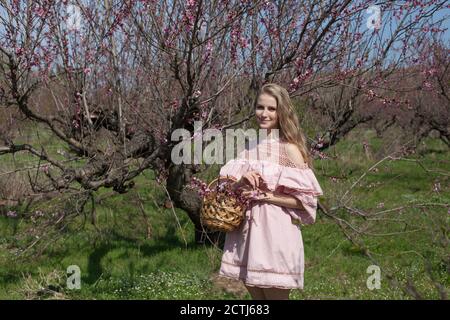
266	111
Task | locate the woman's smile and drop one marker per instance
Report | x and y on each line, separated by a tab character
266	112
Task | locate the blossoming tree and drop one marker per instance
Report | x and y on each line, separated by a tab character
113	79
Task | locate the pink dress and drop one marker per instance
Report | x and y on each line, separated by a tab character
267	249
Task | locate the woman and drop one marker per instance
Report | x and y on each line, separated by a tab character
266	251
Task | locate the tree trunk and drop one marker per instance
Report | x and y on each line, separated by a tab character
188	200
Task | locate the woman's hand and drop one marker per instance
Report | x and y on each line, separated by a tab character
251	179
257	195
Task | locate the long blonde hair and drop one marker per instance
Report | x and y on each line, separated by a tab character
289	125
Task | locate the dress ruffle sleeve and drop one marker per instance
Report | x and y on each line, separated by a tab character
298	182
303	185
234	168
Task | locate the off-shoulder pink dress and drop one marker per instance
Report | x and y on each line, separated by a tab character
267	249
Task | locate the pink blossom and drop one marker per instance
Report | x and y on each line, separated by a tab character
44	168
243	42
11	214
222	189
174	104
427	85
300	79
19	51
40	12
299	62
359	62
208	50
189	14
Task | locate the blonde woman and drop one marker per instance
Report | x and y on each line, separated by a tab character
266	251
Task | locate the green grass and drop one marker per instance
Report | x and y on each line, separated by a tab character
118	261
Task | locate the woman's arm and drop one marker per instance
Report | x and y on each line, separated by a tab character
279	199
250	180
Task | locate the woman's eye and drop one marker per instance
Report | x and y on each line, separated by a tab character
271	109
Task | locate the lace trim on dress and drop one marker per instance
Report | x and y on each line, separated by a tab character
287	162
264	152
243	279
261	271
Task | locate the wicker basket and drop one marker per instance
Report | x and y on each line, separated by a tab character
221	212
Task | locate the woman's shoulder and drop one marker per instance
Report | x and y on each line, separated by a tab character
294	155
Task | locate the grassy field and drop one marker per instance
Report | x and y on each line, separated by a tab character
132	255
